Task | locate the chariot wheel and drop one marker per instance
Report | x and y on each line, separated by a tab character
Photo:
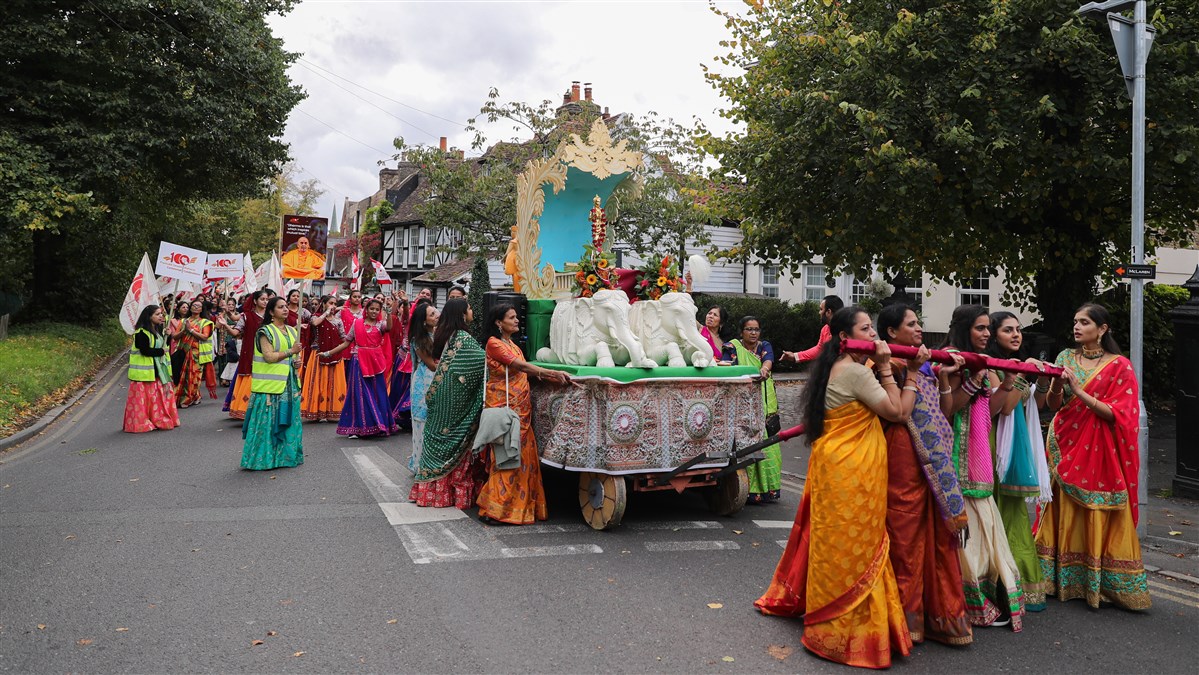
729	494
603	499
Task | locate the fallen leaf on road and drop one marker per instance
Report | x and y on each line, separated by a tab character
283	602
195	550
134	480
41	626
7	485
272	477
755	544
1178	555
393	621
152	605
122	630
779	652
84	642
69	537
738	531
727	659
1184	522
272	633
299	654
255	643
715	605
1174	533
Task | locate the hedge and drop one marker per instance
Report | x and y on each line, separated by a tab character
784	326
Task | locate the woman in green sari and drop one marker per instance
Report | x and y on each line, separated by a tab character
271	430
449	474
765	477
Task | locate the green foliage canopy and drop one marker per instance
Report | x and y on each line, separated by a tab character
121	115
957	137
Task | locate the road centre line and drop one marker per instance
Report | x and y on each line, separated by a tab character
696	545
1162	595
1170	589
768	524
677	525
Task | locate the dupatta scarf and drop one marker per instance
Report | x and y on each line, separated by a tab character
1097	462
748	358
932	441
455	399
373	348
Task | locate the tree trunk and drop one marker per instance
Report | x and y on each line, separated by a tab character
1059	292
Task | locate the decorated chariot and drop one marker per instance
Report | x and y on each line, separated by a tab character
649	407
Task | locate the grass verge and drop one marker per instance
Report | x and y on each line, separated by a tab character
42	364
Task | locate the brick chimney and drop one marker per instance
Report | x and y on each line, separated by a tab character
606	115
566	97
574	91
443	144
587	91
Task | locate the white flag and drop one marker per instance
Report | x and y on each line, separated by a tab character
180	262
143	291
275	280
355	273
381	275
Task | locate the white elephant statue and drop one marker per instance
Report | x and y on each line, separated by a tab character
594	332
667	329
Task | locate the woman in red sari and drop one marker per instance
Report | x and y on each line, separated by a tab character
926	514
1086	537
252	318
835	571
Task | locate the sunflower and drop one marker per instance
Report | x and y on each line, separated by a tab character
602	263
591	280
662	281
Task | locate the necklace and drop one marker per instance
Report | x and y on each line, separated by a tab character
1092	355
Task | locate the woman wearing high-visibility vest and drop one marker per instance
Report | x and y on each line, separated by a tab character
272	433
151	401
196	343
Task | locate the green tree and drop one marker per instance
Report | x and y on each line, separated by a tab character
476	197
957	137
126	114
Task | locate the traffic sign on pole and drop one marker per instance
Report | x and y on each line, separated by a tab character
1134	271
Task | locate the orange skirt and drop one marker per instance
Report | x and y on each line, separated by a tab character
241	397
324	390
515	496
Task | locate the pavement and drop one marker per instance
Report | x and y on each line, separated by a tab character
156	553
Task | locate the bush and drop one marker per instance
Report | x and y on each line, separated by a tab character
784	326
1158	348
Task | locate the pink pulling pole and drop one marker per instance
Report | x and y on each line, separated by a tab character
974	360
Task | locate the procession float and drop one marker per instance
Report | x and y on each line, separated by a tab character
649	407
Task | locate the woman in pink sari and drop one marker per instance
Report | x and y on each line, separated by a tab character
1086	537
366	411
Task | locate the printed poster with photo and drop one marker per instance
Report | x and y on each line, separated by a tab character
303	246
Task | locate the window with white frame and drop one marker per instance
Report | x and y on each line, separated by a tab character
858	291
770	281
976	290
401	251
815	284
413	246
915	287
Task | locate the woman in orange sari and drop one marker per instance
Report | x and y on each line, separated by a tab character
925	509
513	496
835	571
1086	537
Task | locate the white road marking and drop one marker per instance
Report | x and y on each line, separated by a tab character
1172	589
677	525
407	513
540	528
782	543
538	551
774	523
698	545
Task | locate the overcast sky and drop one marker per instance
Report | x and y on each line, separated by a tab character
437	60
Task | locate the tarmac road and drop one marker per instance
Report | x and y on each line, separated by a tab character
155	552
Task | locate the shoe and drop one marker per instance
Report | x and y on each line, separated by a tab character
352	436
1002	621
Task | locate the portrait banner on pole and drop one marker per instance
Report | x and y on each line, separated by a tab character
302	247
224	265
180	262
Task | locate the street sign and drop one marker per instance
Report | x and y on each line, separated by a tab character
1136	271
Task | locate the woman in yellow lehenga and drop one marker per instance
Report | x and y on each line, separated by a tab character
835	571
1087	536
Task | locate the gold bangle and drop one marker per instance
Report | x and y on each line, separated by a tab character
892	382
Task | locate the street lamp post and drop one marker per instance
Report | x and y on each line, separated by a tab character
1133	40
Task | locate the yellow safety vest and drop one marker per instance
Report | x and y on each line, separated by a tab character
271	378
141	368
206	345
